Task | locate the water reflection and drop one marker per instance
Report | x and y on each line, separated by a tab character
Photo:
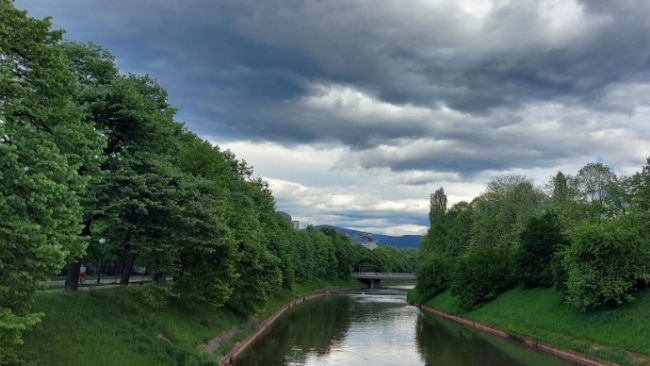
310	328
442	342
378	328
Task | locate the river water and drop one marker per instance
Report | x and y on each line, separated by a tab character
378	328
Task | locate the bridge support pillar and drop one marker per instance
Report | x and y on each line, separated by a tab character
371	282
375	283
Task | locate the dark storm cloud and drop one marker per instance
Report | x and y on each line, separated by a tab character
314	71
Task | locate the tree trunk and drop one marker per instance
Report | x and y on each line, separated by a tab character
129	258
72	281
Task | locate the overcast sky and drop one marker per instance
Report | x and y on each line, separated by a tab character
355	111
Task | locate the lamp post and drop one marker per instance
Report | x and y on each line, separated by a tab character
101	241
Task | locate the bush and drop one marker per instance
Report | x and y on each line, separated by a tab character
604	263
482	274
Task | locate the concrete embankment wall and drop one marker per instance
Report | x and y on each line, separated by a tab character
243	345
571	356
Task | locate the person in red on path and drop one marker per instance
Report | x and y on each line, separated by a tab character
82	273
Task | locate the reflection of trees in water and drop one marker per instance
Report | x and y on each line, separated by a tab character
315	327
311	327
441	343
370	311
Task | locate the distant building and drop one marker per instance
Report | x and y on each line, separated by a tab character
285	215
294	223
367	241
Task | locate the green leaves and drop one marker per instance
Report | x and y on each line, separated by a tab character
45	147
604	263
513	232
539	242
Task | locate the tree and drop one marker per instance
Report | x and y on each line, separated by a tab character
260	273
564	200
134	115
539	246
44	148
440	248
487	266
438	205
207	249
138	211
343	252
641	188
94	69
592	182
560	188
502	212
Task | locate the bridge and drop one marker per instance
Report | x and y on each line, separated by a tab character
372	279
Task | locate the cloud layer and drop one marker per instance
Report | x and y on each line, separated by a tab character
377	103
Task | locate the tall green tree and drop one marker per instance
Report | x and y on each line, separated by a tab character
437	205
138	210
592	184
140	169
487	266
94	69
45	146
207	247
564	200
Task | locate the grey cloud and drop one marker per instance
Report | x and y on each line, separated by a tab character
243	70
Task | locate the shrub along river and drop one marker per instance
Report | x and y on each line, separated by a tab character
378	327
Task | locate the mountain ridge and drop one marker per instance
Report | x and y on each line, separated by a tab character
403	241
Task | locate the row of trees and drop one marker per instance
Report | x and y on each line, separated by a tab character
94	166
586	234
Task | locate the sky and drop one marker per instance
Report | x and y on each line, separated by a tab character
355	111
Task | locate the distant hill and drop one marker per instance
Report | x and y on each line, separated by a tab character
404	241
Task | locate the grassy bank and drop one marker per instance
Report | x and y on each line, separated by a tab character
116	327
620	335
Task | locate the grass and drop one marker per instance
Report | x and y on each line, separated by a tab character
116	327
620	335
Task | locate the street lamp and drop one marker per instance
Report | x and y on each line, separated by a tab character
101	241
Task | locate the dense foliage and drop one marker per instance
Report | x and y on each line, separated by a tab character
541	243
95	168
586	234
604	263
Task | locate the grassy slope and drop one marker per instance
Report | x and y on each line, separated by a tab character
620	335
114	327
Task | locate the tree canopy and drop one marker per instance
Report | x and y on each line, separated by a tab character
586	234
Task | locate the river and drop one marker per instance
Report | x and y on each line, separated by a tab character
378	328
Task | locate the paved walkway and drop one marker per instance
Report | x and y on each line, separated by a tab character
91	282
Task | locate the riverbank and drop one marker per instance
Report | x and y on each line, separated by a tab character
619	335
116	327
